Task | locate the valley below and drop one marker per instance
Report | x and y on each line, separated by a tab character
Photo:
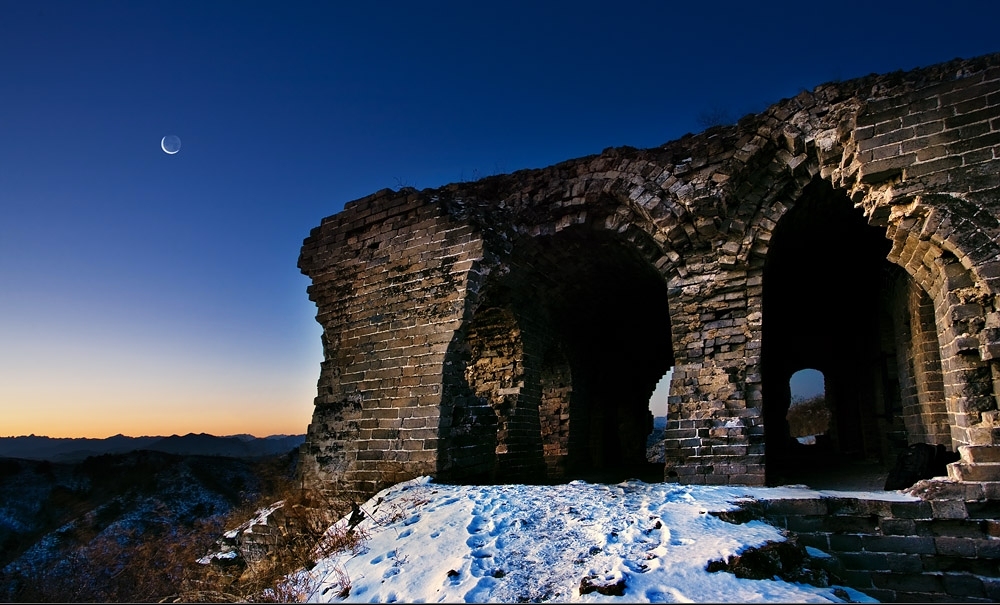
127	526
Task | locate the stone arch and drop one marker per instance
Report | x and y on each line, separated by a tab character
939	219
939	259
498	374
925	414
576	321
826	306
937	307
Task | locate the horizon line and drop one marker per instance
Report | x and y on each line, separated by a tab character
157	436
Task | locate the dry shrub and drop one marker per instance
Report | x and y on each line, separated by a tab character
161	566
117	567
808	417
302	531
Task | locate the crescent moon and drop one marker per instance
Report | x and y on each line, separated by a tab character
170	144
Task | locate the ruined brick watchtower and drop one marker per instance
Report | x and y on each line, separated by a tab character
513	328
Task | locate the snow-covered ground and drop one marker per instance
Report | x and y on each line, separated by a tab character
518	543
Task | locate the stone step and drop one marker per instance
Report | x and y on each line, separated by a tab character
983	471
975	454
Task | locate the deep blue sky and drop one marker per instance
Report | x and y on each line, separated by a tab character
151	294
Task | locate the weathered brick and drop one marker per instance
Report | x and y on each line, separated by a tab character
963	585
988	549
970	118
888	138
927	583
985	141
955	547
845	542
880	170
949	509
912	510
805	523
991	586
955	528
902	544
964	94
851	524
897	527
918	170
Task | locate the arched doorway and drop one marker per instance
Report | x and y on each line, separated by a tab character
566	346
832	302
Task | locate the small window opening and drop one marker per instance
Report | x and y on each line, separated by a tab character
658	408
809	414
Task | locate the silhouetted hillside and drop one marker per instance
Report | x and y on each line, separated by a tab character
33	447
237	447
66	529
654	441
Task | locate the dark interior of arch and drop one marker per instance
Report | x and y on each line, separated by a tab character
590	323
830	299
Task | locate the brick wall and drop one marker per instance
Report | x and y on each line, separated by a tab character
660	255
911	551
390	276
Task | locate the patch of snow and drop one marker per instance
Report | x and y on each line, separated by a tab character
259	518
516	543
817	553
227	555
790	492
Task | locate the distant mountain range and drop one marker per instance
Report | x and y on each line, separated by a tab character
32	447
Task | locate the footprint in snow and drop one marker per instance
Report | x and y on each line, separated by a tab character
637	567
389	555
392	571
668	595
478	524
482	563
481	592
476	541
500	526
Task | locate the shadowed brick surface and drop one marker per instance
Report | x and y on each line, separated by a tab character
925	556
